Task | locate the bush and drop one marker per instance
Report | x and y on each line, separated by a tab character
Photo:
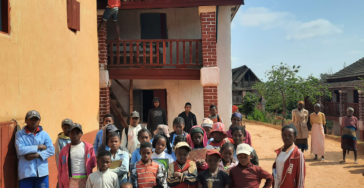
250	101
329	125
257	115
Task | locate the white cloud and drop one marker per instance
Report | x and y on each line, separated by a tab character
295	29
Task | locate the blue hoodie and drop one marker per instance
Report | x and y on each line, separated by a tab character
98	140
27	144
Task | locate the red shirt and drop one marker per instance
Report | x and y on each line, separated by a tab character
27	131
113	3
249	176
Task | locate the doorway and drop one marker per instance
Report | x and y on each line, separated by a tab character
147	97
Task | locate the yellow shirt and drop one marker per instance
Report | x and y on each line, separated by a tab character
318	118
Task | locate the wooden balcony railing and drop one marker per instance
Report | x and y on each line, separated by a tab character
159	53
333	108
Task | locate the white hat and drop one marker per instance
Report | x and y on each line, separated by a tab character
243	149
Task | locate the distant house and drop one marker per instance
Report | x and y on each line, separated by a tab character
243	79
344	94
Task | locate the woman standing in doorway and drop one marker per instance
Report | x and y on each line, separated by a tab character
318	121
349	126
299	120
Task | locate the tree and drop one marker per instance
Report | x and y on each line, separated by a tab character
361	87
284	87
250	101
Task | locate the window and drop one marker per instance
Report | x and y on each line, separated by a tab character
153	26
4	16
73	15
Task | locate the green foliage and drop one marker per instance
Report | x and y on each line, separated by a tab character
250	101
257	115
362	85
329	125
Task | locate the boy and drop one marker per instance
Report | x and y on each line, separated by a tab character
103	177
76	160
108	119
213	177
156	116
188	117
238	134
178	127
246	174
119	156
213	114
33	147
207	125
146	172
112	9
130	133
126	185
63	139
182	173
218	134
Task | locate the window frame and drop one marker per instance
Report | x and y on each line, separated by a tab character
5	16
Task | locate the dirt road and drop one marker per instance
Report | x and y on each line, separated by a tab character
321	174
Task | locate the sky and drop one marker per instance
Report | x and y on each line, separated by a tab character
319	35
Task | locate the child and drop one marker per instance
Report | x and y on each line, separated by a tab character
237	120
207	125
103	177
76	160
245	174
178	139
178	127
119	155
126	185
33	147
108	119
144	135
112	9
156	116
182	173
63	139
239	137
213	114
160	143
129	137
218	134
108	130
213	177
146	172
197	139
188	117
228	161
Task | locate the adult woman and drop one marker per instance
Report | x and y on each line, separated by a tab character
299	119
289	169
237	120
349	126
318	121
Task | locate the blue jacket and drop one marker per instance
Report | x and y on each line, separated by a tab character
123	170
98	140
61	142
27	144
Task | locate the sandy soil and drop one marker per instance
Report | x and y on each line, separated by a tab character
329	173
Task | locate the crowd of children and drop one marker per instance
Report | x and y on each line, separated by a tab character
205	157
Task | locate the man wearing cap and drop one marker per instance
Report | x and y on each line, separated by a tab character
130	133
33	147
63	139
246	174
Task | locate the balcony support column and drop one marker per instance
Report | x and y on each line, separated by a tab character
361	114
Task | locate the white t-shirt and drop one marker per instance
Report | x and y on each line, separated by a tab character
281	159
132	138
78	164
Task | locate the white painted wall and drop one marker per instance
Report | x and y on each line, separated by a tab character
178	93
224	64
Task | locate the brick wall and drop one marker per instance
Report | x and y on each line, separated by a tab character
209	98
343	101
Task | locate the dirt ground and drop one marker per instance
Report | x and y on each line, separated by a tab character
329	173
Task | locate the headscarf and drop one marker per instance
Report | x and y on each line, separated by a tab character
189	137
194	131
301	102
350	108
318	105
110	128
162	135
165	130
238	115
235	108
207	122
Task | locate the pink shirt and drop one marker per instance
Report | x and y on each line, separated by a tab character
349	122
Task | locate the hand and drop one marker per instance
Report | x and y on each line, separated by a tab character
31	156
42	147
177	174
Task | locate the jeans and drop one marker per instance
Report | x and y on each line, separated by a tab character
111	12
34	182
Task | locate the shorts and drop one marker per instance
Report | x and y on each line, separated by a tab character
111	12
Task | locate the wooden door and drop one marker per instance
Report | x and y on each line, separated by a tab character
8	158
162	95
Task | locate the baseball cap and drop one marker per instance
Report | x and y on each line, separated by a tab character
67	122
31	114
243	149
135	114
213	152
207	122
183	144
218	127
76	126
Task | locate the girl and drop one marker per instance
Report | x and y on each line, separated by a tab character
179	138
239	137
197	139
228	161
118	156
349	126
160	143
143	136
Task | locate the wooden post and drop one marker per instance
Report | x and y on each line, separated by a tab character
131	96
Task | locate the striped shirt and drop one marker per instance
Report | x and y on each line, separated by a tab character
148	176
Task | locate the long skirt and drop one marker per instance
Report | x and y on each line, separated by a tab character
348	139
318	140
302	143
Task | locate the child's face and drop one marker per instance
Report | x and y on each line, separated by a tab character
238	137
197	139
244	159
144	137
104	163
227	154
108	120
207	130
182	155
65	129
213	111
187	108
114	143
75	136
32	123
213	161
146	153
160	146
178	128
218	136
235	121
134	121
156	104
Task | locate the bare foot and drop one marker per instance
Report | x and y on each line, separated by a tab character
342	161
355	162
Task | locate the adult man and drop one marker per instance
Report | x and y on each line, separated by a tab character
189	117
130	133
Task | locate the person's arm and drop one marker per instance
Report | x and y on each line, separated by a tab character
124	167
123	139
134	176
232	180
172	181
164	118
21	148
50	148
191	176
116	182
293	117
301	172
59	167
194	121
133	159
57	150
311	118
323	119
149	122
248	139
268	178
92	161
96	141
255	159
161	177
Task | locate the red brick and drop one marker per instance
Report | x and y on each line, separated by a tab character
211	19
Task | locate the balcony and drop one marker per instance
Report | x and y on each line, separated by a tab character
155	59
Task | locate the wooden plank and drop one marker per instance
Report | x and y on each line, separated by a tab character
8	158
131	52
131	109
170	53
151	52
118	53
137	52
164	53
121	85
157	52
196	52
155	74
190	52
144	53
184	52
111	53
177	44
124	47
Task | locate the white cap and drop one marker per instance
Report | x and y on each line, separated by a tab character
243	149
